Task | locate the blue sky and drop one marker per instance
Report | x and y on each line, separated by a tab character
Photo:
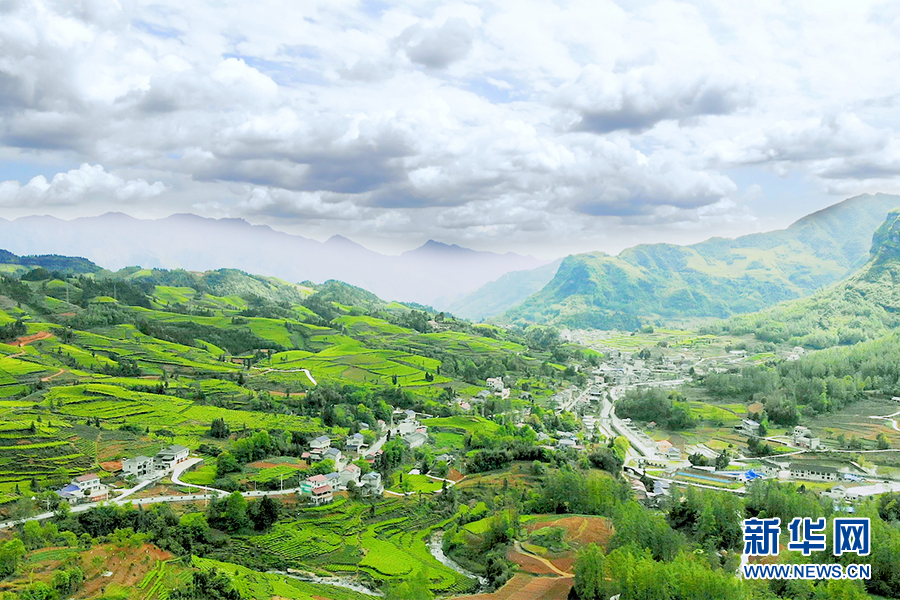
528	125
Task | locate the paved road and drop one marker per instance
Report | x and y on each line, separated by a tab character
125	499
375	447
184	466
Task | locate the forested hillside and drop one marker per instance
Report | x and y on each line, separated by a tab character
716	278
863	307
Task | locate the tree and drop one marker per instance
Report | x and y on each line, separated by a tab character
11	554
265	513
698	460
219	429
590	575
229	514
226	463
882	441
722	461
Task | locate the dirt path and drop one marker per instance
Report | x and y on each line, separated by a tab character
57	374
34	337
543	560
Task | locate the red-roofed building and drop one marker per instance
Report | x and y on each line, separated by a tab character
322	495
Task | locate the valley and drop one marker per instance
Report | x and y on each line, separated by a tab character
257	438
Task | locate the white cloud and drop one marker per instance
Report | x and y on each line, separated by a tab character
519	122
88	183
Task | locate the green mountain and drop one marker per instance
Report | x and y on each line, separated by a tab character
864	306
715	278
498	296
51	262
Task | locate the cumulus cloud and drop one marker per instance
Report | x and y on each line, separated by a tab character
84	184
437	47
464	123
638	99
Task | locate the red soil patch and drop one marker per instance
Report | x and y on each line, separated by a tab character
579	530
454	475
262	464
514	585
34	337
67	314
529	564
756	407
111	466
564	563
548	589
128	567
527	587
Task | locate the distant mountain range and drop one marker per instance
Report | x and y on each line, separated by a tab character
429	274
716	278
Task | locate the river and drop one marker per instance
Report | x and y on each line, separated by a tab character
343	582
436	547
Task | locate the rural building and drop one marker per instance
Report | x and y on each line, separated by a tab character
446	458
320	443
167	458
668	450
139	466
803	437
415	440
84	488
355	442
748	427
495	383
826	471
350	473
371	485
332	454
565	443
322	494
307	485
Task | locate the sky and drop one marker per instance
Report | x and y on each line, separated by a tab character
539	127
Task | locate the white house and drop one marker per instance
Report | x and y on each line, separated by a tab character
350	473
332	454
371	485
167	458
320	443
355	442
84	488
748	427
415	440
322	494
139	466
803	437
495	383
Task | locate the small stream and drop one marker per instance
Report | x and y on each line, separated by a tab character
436	547
342	582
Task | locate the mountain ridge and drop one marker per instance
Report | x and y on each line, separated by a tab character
195	243
714	278
863	306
